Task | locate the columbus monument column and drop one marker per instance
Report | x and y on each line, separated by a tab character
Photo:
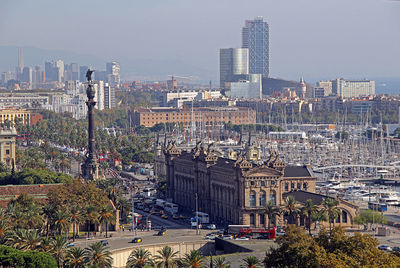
90	170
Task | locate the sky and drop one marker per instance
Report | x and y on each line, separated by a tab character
310	38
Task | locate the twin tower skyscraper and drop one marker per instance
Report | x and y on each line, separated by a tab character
252	58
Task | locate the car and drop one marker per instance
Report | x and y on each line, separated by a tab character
243	238
227	237
72	244
211	227
263	237
175	217
182	217
164	216
161	233
104	242
210	237
281	233
396	249
137	240
146	210
384	247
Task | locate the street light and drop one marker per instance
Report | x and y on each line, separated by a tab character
197	215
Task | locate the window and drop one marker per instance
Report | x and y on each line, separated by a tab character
262	183
272	182
298	185
7	152
344	216
292	185
272	197
262	219
252	219
305	186
252	183
252	199
262	199
286	186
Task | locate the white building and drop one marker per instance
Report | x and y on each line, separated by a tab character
247	89
353	88
99	95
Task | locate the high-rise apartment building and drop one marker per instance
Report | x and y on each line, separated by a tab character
353	88
20	60
255	37
232	62
82	73
99	95
59	70
112	71
109	96
27	75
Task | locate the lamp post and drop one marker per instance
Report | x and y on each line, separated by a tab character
197	215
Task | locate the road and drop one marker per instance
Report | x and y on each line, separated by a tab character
122	239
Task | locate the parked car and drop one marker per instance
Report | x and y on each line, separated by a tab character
104	242
137	240
227	237
164	216
70	245
384	247
397	249
211	227
210	237
244	238
280	233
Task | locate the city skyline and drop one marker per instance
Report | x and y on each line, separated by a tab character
311	50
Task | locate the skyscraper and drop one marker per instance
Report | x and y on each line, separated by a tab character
232	62
59	67
112	71
82	73
109	96
20	59
255	37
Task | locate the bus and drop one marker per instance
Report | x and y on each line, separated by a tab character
171	208
201	216
377	206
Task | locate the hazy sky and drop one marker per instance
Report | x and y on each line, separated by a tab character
313	38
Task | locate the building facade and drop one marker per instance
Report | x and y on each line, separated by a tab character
236	191
231	191
353	88
206	116
255	37
7	146
232	62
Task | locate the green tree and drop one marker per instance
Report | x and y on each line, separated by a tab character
292	208
220	262
330	208
194	259
75	218
106	215
370	216
139	258
25	239
91	216
61	221
308	210
75	258
251	262
59	248
98	255
166	257
271	211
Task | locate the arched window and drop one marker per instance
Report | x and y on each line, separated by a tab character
263	199
272	197
252	219
344	216
252	199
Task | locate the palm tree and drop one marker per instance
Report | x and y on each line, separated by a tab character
106	216
292	207
48	212
4	227
25	239
271	210
98	255
166	257
308	210
75	219
251	262
193	259
75	258
91	216
139	258
220	262
330	208
59	248
61	221
319	215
